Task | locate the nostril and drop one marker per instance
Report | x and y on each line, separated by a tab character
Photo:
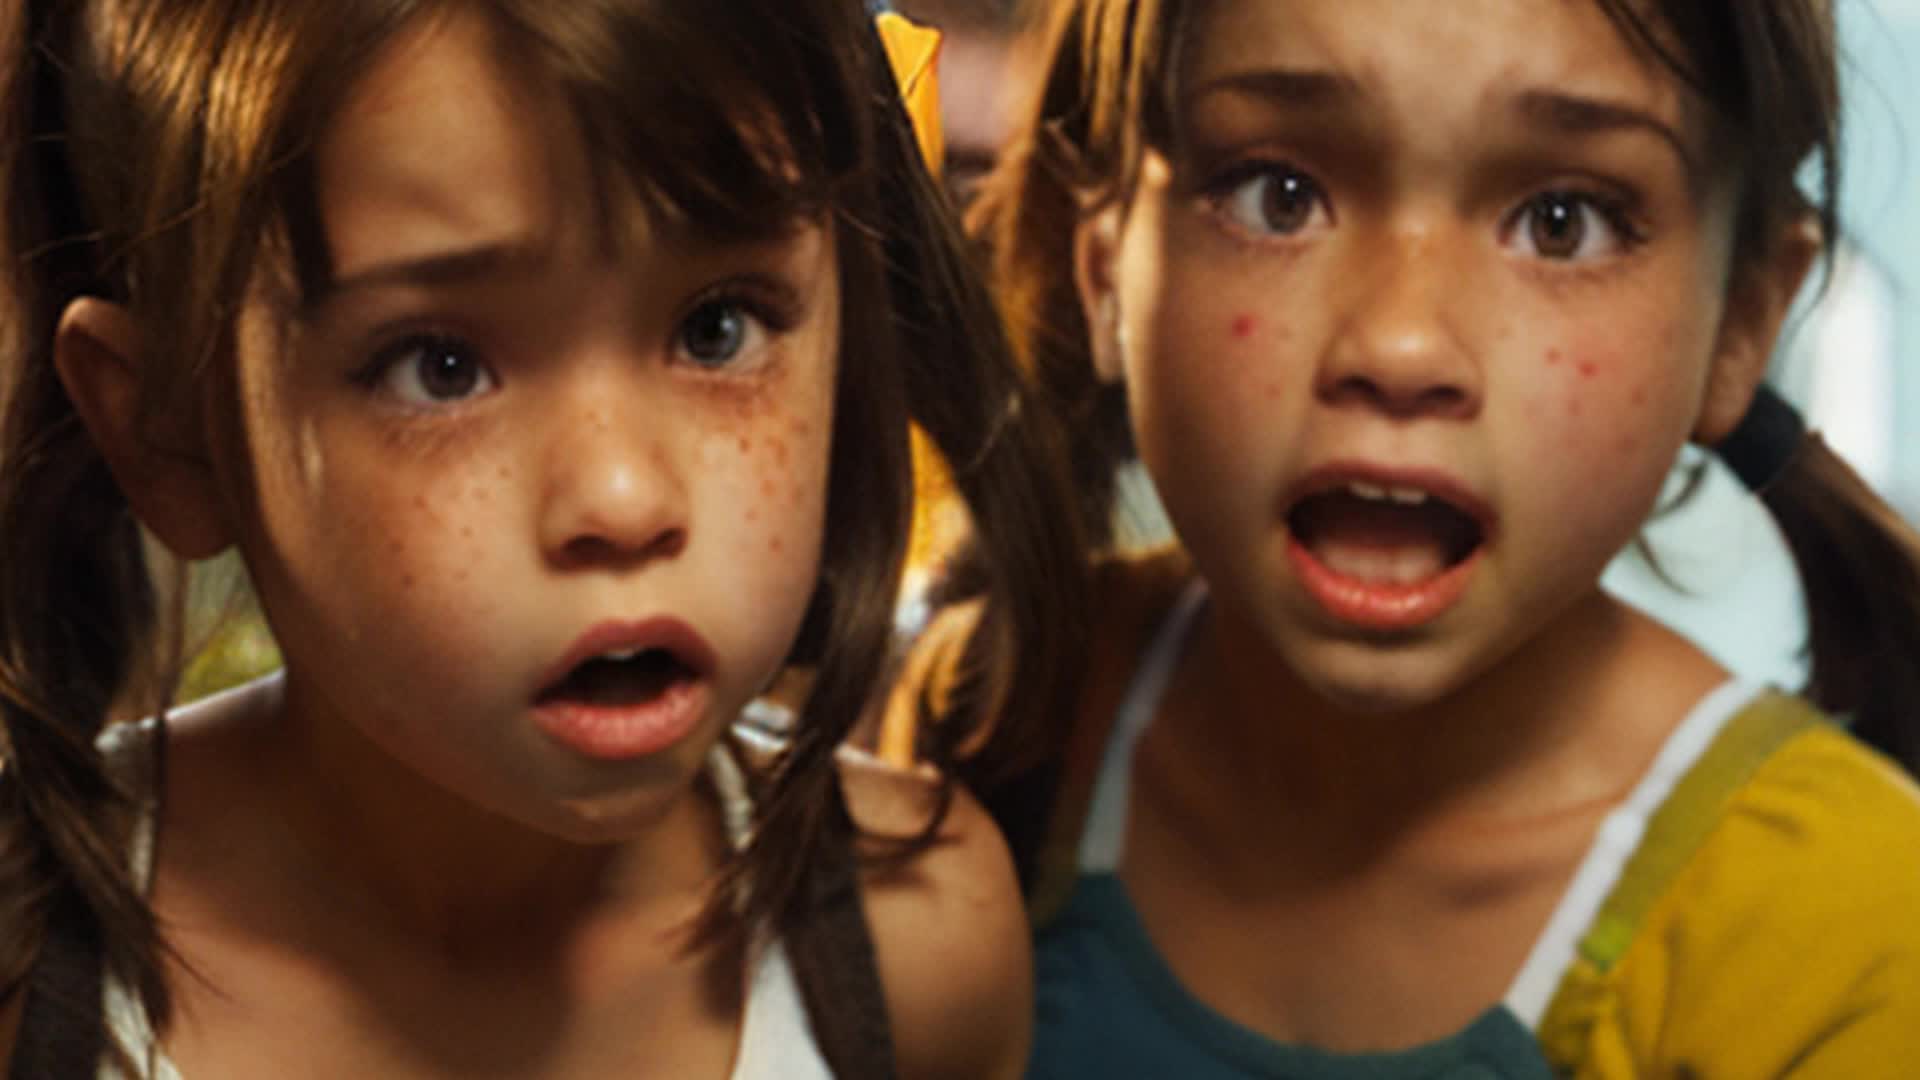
590	549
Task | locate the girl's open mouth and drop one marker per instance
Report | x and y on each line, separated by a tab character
1384	556
620	679
628	691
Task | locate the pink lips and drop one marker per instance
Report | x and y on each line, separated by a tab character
622	731
1382	605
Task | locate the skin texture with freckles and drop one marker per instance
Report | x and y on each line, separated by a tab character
532	486
425	560
1500	259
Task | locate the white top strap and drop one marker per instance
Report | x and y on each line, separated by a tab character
1614	843
776	1041
1104	839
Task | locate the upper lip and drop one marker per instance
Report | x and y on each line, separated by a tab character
633	635
1434	482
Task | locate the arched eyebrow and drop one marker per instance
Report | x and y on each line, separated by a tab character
438	269
1578	115
1283	86
1550	110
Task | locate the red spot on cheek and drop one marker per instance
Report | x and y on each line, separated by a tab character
1243	326
776	545
1588	369
1553	357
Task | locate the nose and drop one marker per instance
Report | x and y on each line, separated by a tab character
1395	348
615	493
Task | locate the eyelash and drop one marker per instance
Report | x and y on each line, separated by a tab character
1615	211
768	303
388	361
1233	183
1222	190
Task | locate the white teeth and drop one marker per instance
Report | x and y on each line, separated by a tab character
620	655
1366	490
1405	496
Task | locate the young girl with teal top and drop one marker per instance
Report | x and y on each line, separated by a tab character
550	367
1407	308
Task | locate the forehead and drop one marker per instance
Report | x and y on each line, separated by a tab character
1428	57
439	145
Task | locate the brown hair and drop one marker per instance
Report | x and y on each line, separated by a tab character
1767	71
157	152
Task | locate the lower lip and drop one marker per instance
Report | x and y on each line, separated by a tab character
1376	605
621	732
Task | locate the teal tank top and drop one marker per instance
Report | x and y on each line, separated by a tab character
1109	1006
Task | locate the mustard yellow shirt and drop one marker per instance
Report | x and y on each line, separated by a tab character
1782	940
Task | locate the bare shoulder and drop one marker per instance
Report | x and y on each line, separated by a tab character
948	927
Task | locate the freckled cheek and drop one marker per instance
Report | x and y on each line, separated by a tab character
435	538
1612	410
768	481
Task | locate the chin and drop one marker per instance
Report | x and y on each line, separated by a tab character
1374	681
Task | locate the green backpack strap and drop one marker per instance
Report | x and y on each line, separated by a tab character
1689	814
1674	834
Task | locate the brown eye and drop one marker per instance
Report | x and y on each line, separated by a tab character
1272	199
1557	225
1288	202
433	370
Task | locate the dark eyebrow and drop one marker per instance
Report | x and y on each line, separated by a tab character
440	269
1572	114
1285	86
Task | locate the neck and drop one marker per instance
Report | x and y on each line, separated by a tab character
422	862
1567	722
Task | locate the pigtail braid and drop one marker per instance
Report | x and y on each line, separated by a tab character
1859	565
77	607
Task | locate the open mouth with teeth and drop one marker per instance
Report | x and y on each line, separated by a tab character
632	677
1389	535
628	702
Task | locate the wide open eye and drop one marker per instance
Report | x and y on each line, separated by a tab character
432	370
1271	198
1569	225
718	331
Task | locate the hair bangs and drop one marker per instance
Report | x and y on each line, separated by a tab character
707	116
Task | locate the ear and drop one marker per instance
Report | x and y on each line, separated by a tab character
1758	299
1096	241
172	488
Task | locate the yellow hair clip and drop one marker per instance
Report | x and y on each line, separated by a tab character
912	50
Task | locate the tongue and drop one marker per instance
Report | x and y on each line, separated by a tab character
621	682
1374	542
